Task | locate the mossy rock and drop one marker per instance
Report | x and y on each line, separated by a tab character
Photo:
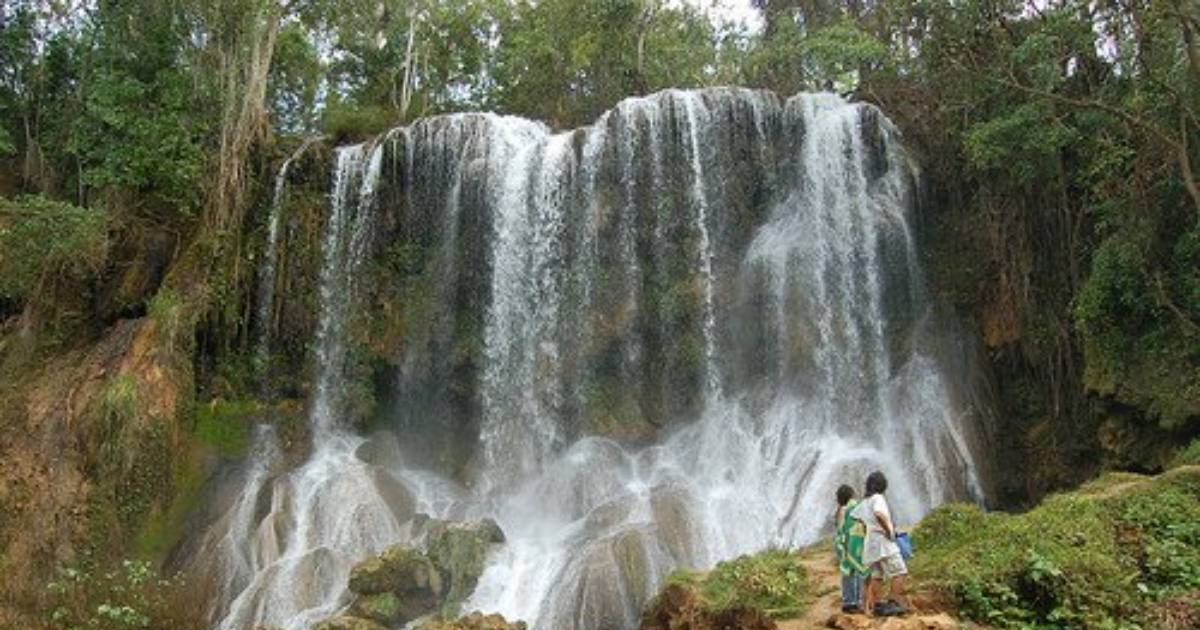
399	569
385	608
459	551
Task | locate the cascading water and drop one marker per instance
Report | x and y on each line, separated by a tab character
737	271
267	277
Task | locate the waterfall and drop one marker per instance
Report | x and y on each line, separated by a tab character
662	340
267	277
289	564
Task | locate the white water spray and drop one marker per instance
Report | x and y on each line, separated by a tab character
736	267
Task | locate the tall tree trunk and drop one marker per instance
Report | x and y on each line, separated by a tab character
409	62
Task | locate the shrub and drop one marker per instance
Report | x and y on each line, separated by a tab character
42	240
345	122
1096	558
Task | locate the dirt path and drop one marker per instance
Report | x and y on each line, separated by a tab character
825	584
826	587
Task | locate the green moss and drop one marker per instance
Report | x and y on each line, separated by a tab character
164	527
225	425
1096	558
772	581
166	309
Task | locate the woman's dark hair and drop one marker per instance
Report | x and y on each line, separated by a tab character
876	483
844	494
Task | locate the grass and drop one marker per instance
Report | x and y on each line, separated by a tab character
772	581
1099	558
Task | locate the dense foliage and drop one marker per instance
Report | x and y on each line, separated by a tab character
42	241
1069	132
1115	554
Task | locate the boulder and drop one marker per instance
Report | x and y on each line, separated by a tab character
399	569
459	552
404	583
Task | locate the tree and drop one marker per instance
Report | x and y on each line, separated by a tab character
566	62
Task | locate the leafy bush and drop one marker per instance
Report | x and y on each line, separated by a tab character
128	597
42	239
772	581
1096	558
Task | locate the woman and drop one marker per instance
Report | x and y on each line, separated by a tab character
848	545
881	554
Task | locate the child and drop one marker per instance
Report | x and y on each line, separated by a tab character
880	552
848	543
